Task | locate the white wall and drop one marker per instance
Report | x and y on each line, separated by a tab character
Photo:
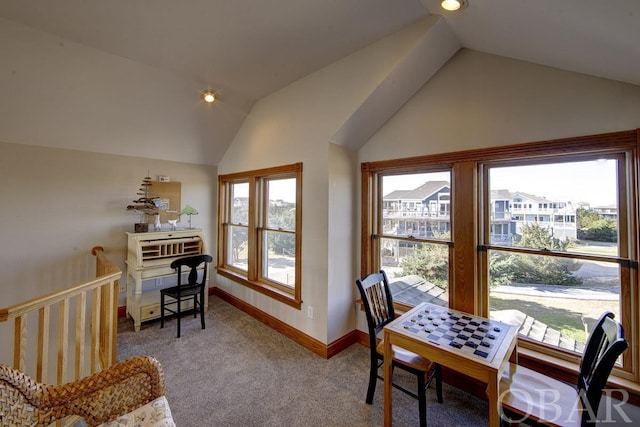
57	204
295	124
342	240
479	100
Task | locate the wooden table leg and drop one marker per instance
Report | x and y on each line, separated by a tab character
388	357
492	399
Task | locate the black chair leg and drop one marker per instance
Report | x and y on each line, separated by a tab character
422	400
195	305
506	418
179	316
373	378
201	313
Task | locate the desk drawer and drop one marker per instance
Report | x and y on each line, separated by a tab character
148	312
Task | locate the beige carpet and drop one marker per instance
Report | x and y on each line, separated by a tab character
240	372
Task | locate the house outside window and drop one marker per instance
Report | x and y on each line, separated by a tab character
552	277
259	223
409	238
540	235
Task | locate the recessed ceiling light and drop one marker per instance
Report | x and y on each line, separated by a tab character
453	5
209	96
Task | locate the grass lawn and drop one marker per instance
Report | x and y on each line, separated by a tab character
604	249
570	316
562	314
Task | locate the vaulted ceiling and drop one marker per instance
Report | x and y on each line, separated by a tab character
247	49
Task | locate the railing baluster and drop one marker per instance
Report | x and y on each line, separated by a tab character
81	308
95	327
20	342
109	323
63	336
42	370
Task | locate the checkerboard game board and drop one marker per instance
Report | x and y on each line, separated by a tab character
474	336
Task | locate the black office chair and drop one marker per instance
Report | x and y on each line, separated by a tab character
192	290
378	307
520	386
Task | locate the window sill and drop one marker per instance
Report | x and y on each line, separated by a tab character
567	371
262	288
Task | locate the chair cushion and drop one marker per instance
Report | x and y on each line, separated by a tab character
154	414
406	357
525	391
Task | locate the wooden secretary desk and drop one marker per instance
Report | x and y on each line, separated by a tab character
148	258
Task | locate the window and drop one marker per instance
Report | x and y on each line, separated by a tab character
542	235
555	277
238	225
413	232
259	230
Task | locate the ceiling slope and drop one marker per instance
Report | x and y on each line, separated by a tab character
596	37
429	54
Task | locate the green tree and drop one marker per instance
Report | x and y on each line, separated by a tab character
535	236
281	216
544	270
508	267
501	268
595	227
429	261
239	239
586	217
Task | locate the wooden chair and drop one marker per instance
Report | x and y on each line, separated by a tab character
534	398
99	398
378	307
192	290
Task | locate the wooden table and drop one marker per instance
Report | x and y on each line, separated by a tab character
425	330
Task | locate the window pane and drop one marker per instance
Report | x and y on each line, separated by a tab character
281	209
416	205
568	207
240	203
417	272
280	257
571	206
554	300
238	249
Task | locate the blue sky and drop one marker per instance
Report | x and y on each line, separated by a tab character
589	181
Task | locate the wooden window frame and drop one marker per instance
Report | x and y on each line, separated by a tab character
468	285
253	277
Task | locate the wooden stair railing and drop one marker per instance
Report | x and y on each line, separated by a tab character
100	323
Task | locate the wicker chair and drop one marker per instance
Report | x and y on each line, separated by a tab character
97	399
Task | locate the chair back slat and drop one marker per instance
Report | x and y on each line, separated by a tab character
377	303
192	262
376	298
